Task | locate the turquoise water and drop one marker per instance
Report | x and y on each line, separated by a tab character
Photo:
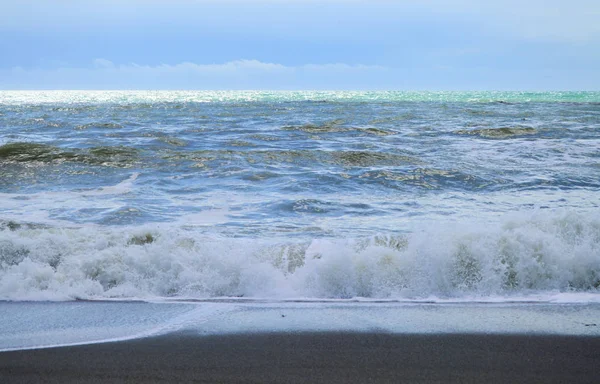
403	195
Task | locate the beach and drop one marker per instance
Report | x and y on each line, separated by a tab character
299	236
327	357
287	342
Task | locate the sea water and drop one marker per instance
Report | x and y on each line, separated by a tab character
298	194
275	196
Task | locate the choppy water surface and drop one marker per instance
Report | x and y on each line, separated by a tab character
298	194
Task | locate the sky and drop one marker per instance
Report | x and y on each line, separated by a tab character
300	44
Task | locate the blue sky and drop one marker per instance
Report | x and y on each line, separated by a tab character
300	44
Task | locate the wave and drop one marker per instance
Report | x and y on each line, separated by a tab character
558	252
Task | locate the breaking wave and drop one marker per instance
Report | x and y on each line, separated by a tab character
541	253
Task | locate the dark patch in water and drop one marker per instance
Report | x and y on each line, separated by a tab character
479	112
330	126
429	178
141	239
377	132
260	176
264	137
367	159
174	141
241	143
498	133
11	254
214	158
112	156
336	126
23	152
99	125
14	226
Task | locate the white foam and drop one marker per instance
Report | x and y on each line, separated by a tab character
541	257
122	188
37	207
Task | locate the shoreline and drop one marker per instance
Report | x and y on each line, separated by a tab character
313	357
29	326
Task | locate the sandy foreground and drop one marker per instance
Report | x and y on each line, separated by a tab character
325	357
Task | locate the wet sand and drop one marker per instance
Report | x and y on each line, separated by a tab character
314	357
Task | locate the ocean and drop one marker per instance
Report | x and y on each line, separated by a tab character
131	214
399	196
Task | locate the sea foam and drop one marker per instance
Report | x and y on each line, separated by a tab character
525	255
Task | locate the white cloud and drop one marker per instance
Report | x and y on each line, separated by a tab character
102	74
239	74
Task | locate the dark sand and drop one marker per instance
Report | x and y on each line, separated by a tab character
314	357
